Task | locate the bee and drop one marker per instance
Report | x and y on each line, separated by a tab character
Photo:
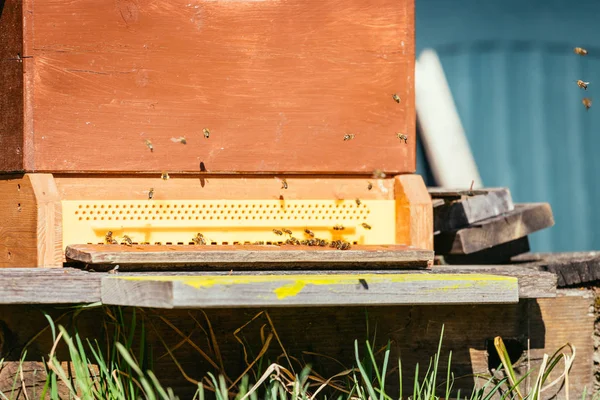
402	136
378	174
304	242
583	85
108	238
149	144
309	232
199	239
335	243
358	202
206	132
364	283
115	270
396	98
369	186
150	193
259	243
366	226
287	231
348	136
180	139
587	103
277	232
284	184
338	228
345	246
164	176
323	242
127	241
294	240
581	51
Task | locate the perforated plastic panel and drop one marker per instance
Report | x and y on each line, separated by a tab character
228	222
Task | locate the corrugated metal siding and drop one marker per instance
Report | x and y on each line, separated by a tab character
529	130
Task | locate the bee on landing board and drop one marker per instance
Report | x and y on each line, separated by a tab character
149	145
583	85
180	139
396	98
206	132
348	136
587	103
402	136
199	239
581	51
108	238
127	241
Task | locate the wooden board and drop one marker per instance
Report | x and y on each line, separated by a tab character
570	268
248	256
48	286
278	84
522	221
458	213
307	290
499	254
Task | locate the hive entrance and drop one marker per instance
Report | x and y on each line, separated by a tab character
228	221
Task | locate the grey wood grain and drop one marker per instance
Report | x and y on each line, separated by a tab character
522	221
460	212
571	269
242	256
308	290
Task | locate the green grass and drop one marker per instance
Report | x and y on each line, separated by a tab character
118	371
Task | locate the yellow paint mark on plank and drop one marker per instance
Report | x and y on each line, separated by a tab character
291	285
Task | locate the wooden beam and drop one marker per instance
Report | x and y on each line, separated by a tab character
499	254
522	221
249	256
414	212
570	268
307	290
459	212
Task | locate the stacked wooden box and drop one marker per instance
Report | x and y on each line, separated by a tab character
484	226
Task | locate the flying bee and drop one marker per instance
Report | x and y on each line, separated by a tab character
581	51
277	232
396	98
108	238
338	228
284	184
309	232
583	85
180	139
150	193
378	174
369	186
402	136
366	226
127	241
199	239
165	176
206	132
358	202
587	103
287	231
348	136
149	144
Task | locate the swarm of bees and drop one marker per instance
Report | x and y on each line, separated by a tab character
206	132
348	136
586	101
199	239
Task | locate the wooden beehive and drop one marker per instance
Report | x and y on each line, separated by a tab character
278	83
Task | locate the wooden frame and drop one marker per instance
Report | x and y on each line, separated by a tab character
31	209
278	92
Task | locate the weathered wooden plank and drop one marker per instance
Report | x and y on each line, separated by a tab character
48	286
522	221
455	214
228	256
570	268
307	290
499	254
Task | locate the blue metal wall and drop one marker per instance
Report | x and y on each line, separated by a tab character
512	71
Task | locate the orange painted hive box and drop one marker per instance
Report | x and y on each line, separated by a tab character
248	86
